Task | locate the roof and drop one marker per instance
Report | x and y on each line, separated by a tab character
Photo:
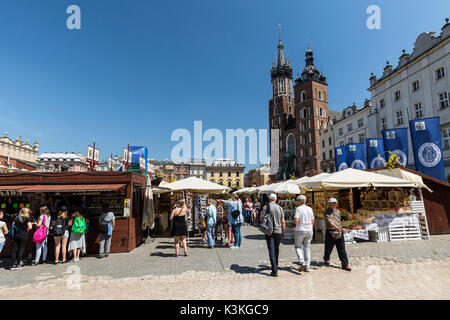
62	187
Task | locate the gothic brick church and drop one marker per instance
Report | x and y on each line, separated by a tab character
298	115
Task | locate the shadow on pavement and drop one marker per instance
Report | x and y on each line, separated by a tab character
161	254
260	269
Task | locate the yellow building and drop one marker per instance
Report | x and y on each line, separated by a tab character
226	172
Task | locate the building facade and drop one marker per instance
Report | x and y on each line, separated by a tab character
162	168
226	172
353	126
182	170
418	87
197	168
257	177
297	116
18	150
326	138
59	162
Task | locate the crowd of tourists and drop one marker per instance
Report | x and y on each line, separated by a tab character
55	235
226	226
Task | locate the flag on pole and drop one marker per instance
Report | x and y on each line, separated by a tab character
375	153
396	141
340	158
427	147
356	156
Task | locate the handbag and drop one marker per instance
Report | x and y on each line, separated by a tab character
40	234
204	223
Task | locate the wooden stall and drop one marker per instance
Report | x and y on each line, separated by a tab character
123	192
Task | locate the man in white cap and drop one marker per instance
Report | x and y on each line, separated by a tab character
304	222
334	235
279	230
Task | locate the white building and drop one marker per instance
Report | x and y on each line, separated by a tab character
55	162
326	140
418	87
197	168
353	127
18	149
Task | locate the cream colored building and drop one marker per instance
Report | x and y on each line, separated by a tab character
226	172
54	162
18	149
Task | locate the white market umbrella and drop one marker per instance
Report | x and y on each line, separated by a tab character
195	185
353	178
403	174
286	187
315	181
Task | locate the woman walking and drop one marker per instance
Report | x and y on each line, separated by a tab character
179	227
44	218
211	218
3	232
304	224
61	231
77	242
22	226
255	211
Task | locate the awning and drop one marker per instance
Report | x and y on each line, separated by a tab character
63	187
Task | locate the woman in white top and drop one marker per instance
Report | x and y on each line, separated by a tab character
42	247
3	232
304	221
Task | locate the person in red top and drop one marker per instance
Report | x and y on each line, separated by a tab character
247	211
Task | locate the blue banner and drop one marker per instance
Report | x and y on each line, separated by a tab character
427	147
396	141
139	155
356	156
340	158
375	153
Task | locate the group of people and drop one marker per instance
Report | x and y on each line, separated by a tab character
303	233
68	233
228	224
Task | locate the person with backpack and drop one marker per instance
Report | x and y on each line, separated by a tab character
19	234
77	241
211	219
42	247
275	214
3	231
107	225
235	219
61	234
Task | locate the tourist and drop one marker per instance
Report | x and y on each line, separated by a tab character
179	226
44	215
235	219
334	235
107	223
304	223
220	228
61	234
77	242
247	211
256	211
279	231
22	226
3	231
228	231
211	218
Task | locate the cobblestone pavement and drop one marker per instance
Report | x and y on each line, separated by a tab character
388	270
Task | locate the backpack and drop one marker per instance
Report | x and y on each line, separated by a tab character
104	227
41	233
13	230
266	226
79	225
60	227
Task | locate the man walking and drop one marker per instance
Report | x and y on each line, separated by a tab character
304	221
334	235
279	230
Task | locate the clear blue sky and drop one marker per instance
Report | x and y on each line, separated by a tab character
139	69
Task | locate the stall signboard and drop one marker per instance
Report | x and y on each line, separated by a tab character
93	156
341	158
126	156
396	142
375	153
126	207
427	147
356	156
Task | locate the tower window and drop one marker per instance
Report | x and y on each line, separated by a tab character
440	73
290	109
303	96
320	94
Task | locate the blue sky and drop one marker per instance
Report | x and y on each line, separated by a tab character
139	69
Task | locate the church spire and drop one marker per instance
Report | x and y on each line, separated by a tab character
282	67
280	48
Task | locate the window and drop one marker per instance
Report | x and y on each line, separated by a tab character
229	183
321	112
303	96
221	182
309	124
212	173
177	176
397	95
237	174
320	94
399	117
309	137
350	127
275	111
323	143
350	140
341	131
305	114
323	156
329	141
418	110
415	86
290	109
443	99
310	151
382	104
330	153
361	138
237	183
440	73
341	143
383	124
229	174
220	174
289	98
301	153
360	123
446	138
